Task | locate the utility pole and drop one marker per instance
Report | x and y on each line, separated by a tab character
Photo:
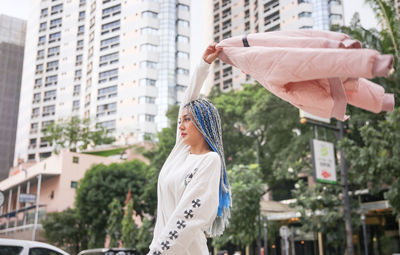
345	188
345	191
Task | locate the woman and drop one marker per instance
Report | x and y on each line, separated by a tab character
193	190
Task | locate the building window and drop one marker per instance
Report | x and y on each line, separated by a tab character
50	95
55	23
148	64
31	157
44	12
110	27
81	30
42	26
107	92
106	109
303	1
79	45
147	118
44	155
54	37
35	112
108	125
32	143
147	82
38	83
305	14
81	15
34	126
75	159
111	11
306	27
149	14
183	71
77	90
148	47
48	110
78	60
182	7
39	68
56	9
109	59
109	43
149	31
52	65
51	80
36	98
108	75
182	38
78	74
74	184
181	22
181	54
335	17
40	54
42	40
53	51
147	100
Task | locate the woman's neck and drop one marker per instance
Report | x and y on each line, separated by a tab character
199	148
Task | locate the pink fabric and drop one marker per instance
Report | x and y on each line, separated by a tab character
314	70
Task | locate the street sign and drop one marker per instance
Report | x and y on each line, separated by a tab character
27	198
324	167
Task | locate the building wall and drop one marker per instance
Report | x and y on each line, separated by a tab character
120	63
12	40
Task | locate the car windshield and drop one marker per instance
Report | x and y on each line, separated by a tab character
10	250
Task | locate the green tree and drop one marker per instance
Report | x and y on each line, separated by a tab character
75	134
65	230
100	185
114	225
144	236
129	228
247	189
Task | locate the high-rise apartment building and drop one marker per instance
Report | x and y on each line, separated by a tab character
119	63
237	17
12	41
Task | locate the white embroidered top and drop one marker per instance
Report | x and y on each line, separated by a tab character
188	191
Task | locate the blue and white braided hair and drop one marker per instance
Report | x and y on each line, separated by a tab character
207	120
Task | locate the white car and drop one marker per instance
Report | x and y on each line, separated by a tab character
23	247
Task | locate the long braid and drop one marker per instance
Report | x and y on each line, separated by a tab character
207	120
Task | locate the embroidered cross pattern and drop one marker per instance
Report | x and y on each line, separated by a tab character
188	213
165	245
181	224
157	253
196	203
173	234
189	177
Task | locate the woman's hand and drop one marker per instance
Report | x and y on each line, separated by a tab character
211	53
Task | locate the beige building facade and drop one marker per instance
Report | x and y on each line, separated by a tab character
55	179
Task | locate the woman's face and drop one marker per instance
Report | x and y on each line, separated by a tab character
190	134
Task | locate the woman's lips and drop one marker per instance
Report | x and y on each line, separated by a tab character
183	134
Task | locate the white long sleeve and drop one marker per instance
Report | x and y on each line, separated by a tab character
175	197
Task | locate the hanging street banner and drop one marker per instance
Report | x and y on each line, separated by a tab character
323	155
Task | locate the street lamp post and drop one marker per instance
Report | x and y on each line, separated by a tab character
364	233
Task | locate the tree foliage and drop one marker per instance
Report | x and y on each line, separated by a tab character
100	185
129	228
65	230
114	222
246	188
75	134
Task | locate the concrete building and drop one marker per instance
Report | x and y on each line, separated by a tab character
120	63
12	41
237	17
57	177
